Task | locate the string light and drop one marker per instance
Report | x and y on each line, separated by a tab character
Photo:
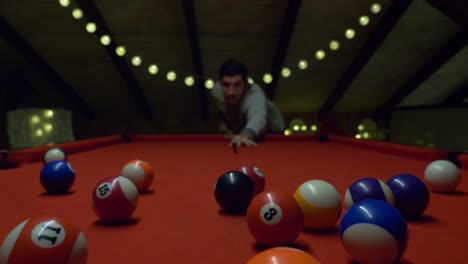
136	61
64	3
171	76
267	78
364	20
48	127
35	119
350	33
153	69
285	72
209	84
91	27
120	51
105	40
302	64
49	113
77	13
189	81
375	8
320	54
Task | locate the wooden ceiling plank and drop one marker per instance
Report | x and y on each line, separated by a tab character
93	14
194	40
393	14
445	53
284	40
23	47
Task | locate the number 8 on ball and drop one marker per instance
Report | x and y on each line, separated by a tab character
274	218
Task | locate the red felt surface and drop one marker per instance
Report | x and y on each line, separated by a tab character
179	220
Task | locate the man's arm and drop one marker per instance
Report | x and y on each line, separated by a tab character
257	110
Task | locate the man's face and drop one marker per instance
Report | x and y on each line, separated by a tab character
233	88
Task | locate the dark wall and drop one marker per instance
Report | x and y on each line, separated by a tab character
439	128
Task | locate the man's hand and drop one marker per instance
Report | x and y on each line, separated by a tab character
242	139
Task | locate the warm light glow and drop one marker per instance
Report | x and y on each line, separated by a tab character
296	127
287	132
39	132
303	128
105	40
153	69
358	136
35	119
189	81
77	13
350	33
360	127
334	45
364	20
366	135
267	78
313	128
285	72
171	76
91	27
64	3
48	127
302	64
120	51
209	84
375	8
49	113
320	54
136	61
250	80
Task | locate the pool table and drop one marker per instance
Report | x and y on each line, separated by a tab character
179	221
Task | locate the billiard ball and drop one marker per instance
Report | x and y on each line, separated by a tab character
368	188
53	154
257	177
140	173
114	199
57	177
274	218
320	202
374	232
442	176
410	193
233	191
283	255
44	240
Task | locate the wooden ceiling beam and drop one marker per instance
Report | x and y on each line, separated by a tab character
93	14
23	47
392	15
445	53
194	40
287	29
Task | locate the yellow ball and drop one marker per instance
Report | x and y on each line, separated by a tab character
320	202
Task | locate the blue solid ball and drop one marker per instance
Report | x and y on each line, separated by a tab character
410	193
57	176
373	231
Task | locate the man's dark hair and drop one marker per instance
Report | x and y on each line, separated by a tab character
233	67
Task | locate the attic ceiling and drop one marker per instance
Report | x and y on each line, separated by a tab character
195	37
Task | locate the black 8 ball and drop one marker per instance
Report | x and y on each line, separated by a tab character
234	191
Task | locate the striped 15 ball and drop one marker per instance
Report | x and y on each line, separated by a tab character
114	199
